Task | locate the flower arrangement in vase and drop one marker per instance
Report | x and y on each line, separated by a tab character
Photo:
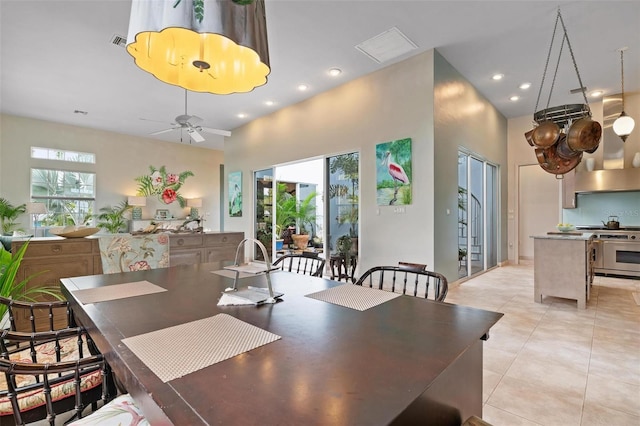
162	184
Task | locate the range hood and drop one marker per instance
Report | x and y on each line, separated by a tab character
609	180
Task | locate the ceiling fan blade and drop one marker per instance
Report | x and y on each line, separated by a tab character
197	137
215	131
155	121
164	131
194	120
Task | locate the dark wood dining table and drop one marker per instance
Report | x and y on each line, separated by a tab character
405	361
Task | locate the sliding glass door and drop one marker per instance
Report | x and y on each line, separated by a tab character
477	214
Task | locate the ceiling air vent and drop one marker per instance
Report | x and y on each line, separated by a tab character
118	40
387	45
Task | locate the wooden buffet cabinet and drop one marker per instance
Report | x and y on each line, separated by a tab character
56	257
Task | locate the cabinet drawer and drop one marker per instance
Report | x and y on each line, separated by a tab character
61	248
223	239
216	254
185	241
185	257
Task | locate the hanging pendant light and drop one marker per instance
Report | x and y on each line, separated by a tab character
215	46
623	126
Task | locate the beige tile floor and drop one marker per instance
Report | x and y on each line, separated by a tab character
552	364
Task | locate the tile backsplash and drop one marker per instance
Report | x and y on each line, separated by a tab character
593	208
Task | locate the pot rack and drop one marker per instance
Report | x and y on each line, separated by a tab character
562	115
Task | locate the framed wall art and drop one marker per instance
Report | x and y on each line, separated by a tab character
393	173
235	194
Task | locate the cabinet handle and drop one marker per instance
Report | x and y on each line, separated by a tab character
56	249
224	239
180	242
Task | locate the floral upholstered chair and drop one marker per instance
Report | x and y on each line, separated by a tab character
124	253
121	411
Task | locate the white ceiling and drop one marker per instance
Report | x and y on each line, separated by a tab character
57	57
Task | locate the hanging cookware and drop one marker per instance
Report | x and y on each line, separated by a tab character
563	150
584	135
546	134
527	136
552	163
612	223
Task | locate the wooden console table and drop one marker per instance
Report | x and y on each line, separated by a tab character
57	257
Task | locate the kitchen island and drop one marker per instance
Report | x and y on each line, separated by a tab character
563	266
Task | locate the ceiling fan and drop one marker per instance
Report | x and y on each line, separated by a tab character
191	123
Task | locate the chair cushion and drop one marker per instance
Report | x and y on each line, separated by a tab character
121	411
46	353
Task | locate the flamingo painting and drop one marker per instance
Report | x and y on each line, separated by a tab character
397	173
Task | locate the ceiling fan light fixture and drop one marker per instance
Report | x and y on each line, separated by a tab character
203	46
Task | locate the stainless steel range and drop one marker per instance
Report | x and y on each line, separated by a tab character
617	252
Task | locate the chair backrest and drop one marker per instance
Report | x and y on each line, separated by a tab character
410	281
33	310
306	263
124	253
411	265
50	373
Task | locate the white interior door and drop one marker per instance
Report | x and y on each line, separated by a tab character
538	206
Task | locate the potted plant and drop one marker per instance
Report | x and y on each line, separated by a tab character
8	215
112	218
305	216
9	288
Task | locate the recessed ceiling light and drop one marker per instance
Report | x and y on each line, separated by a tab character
334	72
497	76
269	103
302	87
596	93
514	98
242	115
525	86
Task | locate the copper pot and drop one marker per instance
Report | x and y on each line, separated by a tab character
546	134
552	163
563	150
584	135
527	136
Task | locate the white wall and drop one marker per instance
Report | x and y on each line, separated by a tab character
119	160
393	103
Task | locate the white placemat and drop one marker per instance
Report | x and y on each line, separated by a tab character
196	345
232	274
118	291
354	296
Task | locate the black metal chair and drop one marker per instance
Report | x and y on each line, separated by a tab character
42	316
411	265
410	281
306	263
50	373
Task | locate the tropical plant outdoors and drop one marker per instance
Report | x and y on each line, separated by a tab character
9	288
290	211
8	214
163	185
344	243
347	165
112	218
69	196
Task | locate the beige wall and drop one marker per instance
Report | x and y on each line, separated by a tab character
463	119
393	103
119	160
390	104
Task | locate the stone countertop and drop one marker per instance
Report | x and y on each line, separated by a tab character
573	235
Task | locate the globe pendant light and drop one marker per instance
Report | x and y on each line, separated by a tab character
215	46
623	126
